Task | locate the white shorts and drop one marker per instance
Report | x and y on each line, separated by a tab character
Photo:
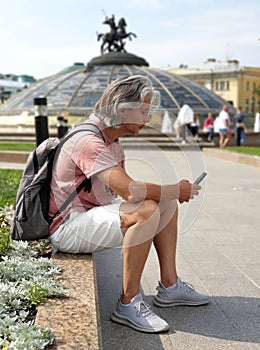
90	231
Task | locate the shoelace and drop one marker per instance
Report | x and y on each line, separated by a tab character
187	287
142	308
183	285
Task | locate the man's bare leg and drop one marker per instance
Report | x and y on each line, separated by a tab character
165	242
140	226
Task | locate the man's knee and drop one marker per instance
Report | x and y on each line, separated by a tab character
138	213
148	209
170	206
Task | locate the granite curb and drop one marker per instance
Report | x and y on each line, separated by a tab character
74	319
13	157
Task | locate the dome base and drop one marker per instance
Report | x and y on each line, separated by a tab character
116	58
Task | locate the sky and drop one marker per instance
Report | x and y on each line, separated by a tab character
40	38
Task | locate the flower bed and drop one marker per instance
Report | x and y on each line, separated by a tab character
27	279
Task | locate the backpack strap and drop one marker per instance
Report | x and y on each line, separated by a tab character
73	195
91	127
86	183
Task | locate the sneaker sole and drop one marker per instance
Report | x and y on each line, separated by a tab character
162	303
115	317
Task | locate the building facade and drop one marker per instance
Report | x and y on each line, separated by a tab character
236	84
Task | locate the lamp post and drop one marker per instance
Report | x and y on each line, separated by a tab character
41	119
62	126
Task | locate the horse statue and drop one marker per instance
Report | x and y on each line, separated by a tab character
113	40
122	34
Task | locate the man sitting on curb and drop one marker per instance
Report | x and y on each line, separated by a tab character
119	211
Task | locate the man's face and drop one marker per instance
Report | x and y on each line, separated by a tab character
134	119
226	108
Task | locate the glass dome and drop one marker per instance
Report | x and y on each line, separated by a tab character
77	89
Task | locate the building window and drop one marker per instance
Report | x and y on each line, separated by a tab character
222	85
247	86
247	106
253	105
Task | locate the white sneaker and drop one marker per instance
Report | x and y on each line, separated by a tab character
139	316
183	294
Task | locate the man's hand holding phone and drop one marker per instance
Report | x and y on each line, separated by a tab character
187	190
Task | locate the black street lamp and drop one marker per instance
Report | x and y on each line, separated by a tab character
41	119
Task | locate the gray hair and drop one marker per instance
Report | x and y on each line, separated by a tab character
126	92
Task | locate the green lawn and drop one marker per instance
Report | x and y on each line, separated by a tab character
9	182
17	146
28	147
10	179
255	151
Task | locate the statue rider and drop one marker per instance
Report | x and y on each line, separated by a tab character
111	22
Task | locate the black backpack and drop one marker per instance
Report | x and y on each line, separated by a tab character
31	220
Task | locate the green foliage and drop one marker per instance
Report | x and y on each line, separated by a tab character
26	280
37	294
9	183
21	336
5	239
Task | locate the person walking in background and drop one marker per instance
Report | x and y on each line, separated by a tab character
119	211
208	127
240	127
224	127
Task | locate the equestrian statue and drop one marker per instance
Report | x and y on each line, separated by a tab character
113	40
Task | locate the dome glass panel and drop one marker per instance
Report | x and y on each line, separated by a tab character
76	91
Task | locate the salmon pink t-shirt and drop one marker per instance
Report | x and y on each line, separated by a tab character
83	155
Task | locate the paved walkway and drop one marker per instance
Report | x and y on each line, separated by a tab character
219	254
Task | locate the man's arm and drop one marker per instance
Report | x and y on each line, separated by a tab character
130	190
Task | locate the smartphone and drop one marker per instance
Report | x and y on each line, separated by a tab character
200	178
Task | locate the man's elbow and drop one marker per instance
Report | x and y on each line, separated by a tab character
137	191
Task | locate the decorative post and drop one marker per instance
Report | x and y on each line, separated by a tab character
62	126
41	119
